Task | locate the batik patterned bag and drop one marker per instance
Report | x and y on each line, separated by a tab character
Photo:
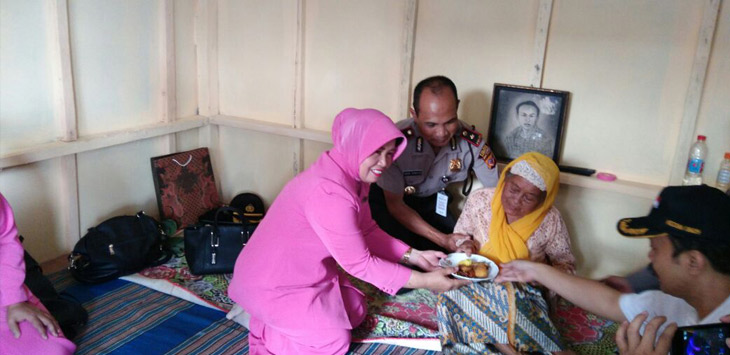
185	185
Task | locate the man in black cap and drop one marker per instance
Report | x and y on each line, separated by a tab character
689	231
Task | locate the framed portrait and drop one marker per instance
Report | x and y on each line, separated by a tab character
526	119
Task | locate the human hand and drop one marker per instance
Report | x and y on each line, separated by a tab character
426	259
454	241
621	284
440	280
631	342
518	271
40	319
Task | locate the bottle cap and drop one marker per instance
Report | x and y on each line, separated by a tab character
701	137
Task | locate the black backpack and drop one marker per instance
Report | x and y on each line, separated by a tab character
117	247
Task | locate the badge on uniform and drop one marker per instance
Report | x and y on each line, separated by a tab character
455	165
488	157
442	203
409	190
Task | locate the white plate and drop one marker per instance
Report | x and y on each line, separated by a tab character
453	259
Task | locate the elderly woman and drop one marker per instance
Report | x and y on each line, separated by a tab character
289	276
515	220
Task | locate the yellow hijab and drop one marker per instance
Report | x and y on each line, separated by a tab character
506	241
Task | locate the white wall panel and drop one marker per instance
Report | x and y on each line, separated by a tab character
117	181
33	192
115	52
627	65
256	44
475	43
26	92
255	162
188	140
185	61
312	151
714	115
351	58
591	217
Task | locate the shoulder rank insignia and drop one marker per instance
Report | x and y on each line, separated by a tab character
471	136
408	132
488	157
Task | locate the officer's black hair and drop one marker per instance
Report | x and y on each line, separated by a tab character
529	103
716	253
436	84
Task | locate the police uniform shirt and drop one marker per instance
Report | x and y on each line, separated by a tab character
420	172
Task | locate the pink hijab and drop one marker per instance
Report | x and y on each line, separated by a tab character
356	134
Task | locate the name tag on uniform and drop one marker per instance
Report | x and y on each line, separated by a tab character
412	173
442	203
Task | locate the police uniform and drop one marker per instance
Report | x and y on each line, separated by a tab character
419	174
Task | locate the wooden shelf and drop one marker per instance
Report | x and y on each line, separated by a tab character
621	186
88	143
272	128
625	187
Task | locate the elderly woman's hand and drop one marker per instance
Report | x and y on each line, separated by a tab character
468	247
426	259
455	241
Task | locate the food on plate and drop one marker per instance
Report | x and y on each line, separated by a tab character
473	269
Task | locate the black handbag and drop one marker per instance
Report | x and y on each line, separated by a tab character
117	247
212	247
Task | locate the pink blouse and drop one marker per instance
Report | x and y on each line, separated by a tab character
12	266
289	274
549	244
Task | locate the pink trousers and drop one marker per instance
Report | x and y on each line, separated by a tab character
30	342
267	340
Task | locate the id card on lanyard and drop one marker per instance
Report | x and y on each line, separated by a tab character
442	203
442	199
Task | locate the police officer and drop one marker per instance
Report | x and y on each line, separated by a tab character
409	201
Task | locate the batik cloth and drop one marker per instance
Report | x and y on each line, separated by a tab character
473	318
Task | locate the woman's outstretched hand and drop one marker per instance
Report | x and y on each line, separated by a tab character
440	280
437	280
426	259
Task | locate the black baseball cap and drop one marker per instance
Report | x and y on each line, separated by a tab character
699	212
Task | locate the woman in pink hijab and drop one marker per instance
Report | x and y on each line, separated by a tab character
26	326
287	277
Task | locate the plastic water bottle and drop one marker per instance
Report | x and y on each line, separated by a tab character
696	162
723	175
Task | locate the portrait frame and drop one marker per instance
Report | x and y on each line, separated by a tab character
512	129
